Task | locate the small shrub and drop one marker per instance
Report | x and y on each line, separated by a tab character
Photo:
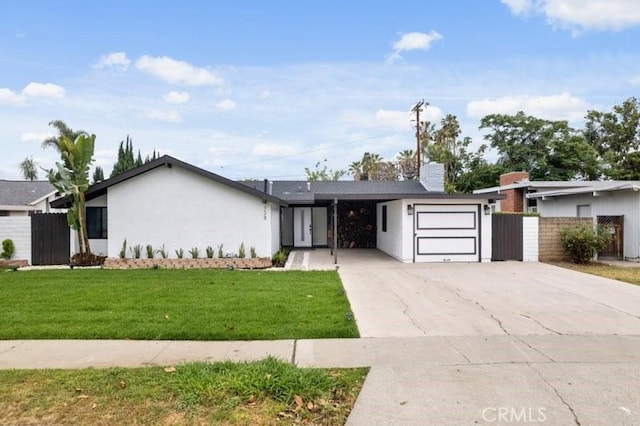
180	253
8	249
582	242
209	251
241	252
163	252
136	251
123	250
195	252
150	252
253	253
220	252
280	258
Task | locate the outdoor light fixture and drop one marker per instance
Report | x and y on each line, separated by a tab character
410	209
487	209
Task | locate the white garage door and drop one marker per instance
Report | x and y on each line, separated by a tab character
446	233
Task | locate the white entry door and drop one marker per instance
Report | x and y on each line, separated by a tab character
302	227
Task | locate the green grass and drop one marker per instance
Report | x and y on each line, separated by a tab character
263	392
173	305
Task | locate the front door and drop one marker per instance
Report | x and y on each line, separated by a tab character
302	228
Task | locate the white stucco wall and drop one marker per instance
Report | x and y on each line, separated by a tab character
616	203
399	243
391	242
275	228
529	239
181	209
17	229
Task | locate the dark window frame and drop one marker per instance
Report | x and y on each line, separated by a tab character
384	218
97	228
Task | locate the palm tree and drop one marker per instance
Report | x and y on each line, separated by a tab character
370	162
355	169
63	130
407	163
29	169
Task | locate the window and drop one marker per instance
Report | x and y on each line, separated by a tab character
4	212
384	218
97	222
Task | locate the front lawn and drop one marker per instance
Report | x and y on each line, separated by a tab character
626	274
263	393
173	305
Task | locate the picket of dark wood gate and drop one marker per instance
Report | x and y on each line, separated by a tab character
506	241
50	239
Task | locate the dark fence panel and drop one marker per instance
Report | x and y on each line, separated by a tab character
50	242
506	243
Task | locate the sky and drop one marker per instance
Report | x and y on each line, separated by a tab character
263	89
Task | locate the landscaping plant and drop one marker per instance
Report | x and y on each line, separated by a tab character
195	252
220	253
123	250
8	249
583	242
253	253
241	252
180	253
163	252
150	252
136	251
209	251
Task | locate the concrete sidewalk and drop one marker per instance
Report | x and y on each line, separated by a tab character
567	379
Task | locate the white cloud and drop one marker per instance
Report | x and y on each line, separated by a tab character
581	15
176	97
413	41
562	106
35	137
226	104
266	149
43	90
177	72
113	60
390	119
169	116
264	94
9	97
518	7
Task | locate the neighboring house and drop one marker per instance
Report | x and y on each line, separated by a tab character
612	204
172	203
23	198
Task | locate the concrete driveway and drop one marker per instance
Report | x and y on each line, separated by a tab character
499	343
391	299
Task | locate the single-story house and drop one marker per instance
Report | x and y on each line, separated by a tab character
174	204
24	198
612	204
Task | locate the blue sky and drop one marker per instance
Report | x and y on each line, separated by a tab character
255	89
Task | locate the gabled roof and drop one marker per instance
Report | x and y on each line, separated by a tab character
99	189
535	184
23	193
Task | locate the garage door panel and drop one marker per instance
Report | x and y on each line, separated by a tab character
447	233
446	245
446	220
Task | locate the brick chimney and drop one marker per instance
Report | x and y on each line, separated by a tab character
515	197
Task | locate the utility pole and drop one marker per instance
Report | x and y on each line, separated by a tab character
416	109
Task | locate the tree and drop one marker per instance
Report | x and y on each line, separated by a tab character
370	162
71	178
63	130
615	136
355	169
408	164
29	169
539	146
126	159
98	175
324	173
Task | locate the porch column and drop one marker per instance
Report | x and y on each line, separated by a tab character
335	231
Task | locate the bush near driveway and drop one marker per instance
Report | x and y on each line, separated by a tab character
173	305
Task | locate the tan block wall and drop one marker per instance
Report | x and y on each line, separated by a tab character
205	263
549	245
